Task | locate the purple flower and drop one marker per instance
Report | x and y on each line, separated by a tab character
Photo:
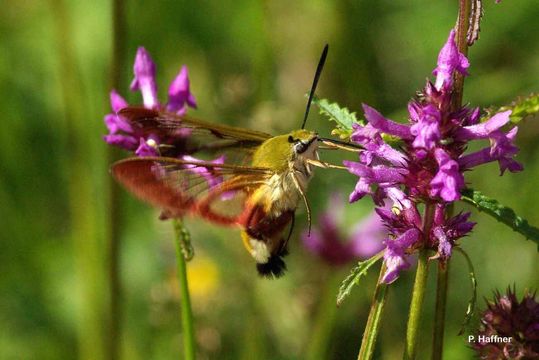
379	122
123	135
144	69
381	175
502	150
395	256
427	128
448	181
327	242
444	232
507	317
429	163
148	147
484	129
449	61
179	94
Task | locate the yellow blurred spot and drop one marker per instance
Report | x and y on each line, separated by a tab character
203	276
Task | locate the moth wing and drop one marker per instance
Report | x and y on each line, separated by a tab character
216	192
187	135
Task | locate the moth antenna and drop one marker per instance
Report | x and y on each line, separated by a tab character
315	82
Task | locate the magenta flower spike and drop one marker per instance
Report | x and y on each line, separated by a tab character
509	328
121	133
428	165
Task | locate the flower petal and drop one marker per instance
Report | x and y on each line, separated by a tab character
144	80
427	129
448	181
179	94
117	102
378	121
449	61
484	129
395	257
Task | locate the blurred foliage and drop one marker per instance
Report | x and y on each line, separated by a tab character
250	64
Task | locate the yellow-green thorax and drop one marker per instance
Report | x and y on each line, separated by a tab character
277	152
288	157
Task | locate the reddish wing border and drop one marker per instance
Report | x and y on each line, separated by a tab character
168	184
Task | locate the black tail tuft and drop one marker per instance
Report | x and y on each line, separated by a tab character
274	268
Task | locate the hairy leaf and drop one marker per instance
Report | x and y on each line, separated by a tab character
501	213
355	274
522	108
473	300
341	115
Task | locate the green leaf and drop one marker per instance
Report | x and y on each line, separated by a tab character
355	274
522	108
470	310
341	115
501	213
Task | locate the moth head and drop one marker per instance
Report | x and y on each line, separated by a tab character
302	142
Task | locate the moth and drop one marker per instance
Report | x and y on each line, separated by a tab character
258	189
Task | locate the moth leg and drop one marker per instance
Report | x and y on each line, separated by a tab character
292	223
302	193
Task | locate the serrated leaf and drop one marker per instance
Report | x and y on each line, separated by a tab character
502	213
522	108
355	274
470	310
341	115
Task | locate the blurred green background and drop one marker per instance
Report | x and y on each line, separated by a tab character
250	62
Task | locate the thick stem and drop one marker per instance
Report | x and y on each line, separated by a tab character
418	292
372	328
185	301
442	281
416	306
463	22
439	315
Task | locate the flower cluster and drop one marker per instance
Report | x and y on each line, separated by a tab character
429	164
327	242
122	134
508	318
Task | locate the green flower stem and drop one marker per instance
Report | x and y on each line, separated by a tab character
439	315
182	237
442	281
418	292
416	305
462	44
372	328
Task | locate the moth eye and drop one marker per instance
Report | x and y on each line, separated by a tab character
300	147
290	139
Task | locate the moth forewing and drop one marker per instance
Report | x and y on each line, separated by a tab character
179	187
